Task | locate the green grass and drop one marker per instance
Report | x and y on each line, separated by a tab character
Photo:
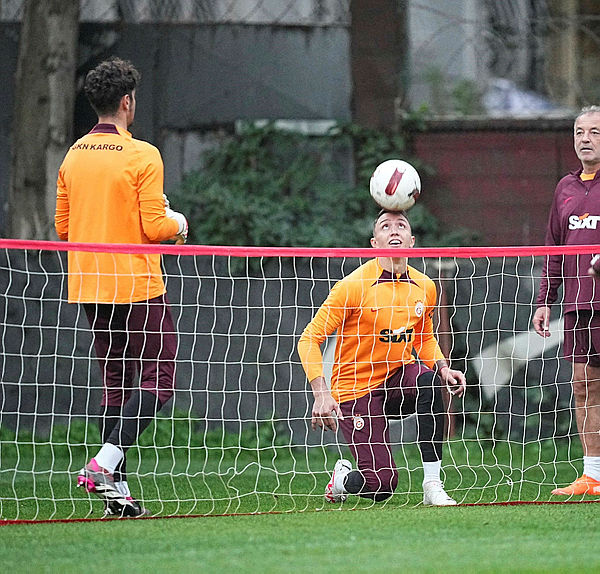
178	472
181	472
545	538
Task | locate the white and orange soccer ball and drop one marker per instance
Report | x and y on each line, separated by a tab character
395	185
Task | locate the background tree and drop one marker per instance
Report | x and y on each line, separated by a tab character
43	113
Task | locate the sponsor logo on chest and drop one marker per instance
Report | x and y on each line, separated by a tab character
401	335
585	221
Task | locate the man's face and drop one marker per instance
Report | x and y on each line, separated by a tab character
392	230
587	139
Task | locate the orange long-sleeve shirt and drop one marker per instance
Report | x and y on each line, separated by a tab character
379	321
110	190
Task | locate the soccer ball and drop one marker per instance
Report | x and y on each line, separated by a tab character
395	185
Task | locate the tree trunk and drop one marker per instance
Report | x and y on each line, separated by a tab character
43	114
379	52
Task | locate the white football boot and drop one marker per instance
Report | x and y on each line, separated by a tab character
335	491
435	495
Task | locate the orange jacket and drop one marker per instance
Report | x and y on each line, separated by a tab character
379	321
110	190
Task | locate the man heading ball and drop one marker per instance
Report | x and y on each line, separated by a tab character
382	312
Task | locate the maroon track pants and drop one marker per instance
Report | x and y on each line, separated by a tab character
131	338
366	426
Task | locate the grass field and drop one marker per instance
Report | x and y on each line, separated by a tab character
529	538
178	473
37	480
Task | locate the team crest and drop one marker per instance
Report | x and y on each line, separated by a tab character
419	308
359	422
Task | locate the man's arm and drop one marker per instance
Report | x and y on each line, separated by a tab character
552	270
428	349
61	215
326	320
157	224
551	276
425	342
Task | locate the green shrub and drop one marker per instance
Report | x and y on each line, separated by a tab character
269	187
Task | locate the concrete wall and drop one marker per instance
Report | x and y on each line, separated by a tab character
197	78
496	177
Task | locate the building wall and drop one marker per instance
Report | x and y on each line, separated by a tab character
496	177
197	78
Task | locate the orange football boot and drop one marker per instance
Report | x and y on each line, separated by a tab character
583	485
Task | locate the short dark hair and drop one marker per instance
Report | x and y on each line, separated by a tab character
382	211
108	82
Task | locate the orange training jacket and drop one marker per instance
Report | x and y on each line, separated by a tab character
110	190
379	320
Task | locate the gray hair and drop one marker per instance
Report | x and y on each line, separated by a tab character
588	110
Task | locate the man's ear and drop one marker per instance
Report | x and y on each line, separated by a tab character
373	242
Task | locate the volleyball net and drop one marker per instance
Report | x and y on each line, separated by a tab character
236	437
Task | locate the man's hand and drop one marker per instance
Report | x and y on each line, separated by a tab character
182	232
325	411
456	382
181	236
541	321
